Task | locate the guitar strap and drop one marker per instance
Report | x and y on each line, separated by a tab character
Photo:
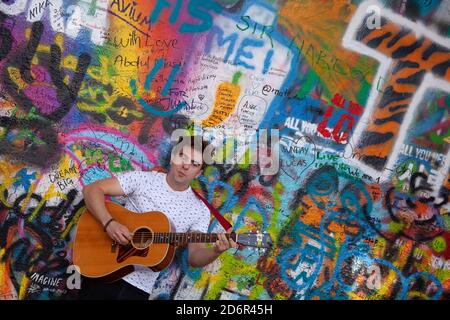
224	222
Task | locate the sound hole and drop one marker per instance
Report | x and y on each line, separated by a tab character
142	238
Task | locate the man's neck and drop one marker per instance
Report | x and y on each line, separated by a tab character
174	185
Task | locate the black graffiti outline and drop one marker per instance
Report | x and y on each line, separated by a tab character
6	38
66	96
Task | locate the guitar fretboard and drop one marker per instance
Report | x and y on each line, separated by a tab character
174	237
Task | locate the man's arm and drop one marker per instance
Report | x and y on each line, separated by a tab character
94	197
200	255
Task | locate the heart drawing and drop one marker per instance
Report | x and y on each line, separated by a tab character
290	171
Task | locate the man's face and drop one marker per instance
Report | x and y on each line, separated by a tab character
186	164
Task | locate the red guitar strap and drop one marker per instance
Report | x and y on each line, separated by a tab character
225	224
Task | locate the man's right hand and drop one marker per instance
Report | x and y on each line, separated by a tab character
119	233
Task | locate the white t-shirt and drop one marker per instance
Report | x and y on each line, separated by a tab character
149	191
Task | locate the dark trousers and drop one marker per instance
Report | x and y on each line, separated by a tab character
92	289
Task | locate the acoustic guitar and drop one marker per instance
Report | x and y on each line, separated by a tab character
153	243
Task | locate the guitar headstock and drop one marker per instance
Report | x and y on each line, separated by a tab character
255	239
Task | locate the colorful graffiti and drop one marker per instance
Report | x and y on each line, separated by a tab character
360	94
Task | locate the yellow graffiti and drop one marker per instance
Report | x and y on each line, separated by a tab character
227	95
50	193
2	270
45	48
23	287
6	169
66	166
273	230
230	267
14	74
447	139
73	222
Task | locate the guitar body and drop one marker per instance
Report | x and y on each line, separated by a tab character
99	257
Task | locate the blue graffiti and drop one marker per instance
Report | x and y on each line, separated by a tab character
22	178
147	85
252	202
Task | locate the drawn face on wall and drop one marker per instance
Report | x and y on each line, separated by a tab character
418	212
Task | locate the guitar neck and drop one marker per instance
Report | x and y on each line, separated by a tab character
174	237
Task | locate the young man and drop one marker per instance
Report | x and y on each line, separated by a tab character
154	191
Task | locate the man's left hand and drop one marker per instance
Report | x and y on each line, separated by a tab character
222	244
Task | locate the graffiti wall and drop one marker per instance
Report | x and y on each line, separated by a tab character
359	92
